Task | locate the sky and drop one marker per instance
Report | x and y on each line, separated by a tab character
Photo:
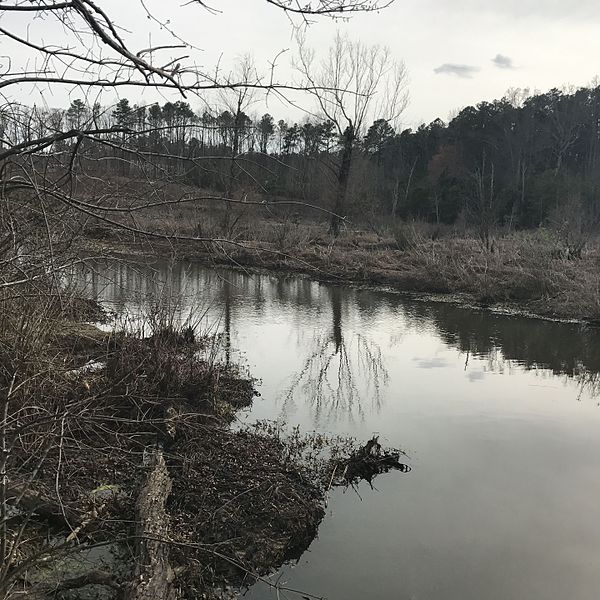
456	53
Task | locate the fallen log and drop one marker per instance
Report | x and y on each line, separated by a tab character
153	573
91	578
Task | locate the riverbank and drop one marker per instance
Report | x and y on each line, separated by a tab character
528	273
124	476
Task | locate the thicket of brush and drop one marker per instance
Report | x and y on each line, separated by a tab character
82	415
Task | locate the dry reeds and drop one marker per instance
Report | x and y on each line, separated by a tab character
76	424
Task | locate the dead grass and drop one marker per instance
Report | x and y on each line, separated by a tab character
525	270
238	506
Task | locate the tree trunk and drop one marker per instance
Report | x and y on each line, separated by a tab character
406	190
343	176
231	183
153	573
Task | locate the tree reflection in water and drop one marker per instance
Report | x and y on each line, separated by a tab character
344	368
340	372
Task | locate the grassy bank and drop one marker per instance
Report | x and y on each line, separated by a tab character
542	272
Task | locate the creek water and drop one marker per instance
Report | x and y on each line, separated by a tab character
498	414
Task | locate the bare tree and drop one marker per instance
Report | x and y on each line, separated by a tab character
351	84
237	101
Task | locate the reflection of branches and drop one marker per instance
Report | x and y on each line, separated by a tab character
332	376
373	366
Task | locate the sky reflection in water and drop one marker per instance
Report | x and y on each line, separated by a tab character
498	414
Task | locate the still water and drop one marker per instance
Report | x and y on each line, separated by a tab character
498	414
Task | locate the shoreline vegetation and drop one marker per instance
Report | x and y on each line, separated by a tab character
537	273
126	478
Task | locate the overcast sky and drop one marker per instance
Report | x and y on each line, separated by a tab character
457	53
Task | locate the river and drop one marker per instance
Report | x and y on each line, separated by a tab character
499	416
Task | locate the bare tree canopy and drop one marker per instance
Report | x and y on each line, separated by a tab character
354	82
96	53
351	84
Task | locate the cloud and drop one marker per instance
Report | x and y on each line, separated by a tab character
464	71
431	363
547	10
503	62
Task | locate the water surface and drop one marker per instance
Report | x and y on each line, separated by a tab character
498	414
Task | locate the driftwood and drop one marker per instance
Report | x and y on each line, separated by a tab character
153	573
367	462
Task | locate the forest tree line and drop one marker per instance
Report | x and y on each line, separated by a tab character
516	162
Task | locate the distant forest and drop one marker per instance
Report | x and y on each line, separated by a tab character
517	162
